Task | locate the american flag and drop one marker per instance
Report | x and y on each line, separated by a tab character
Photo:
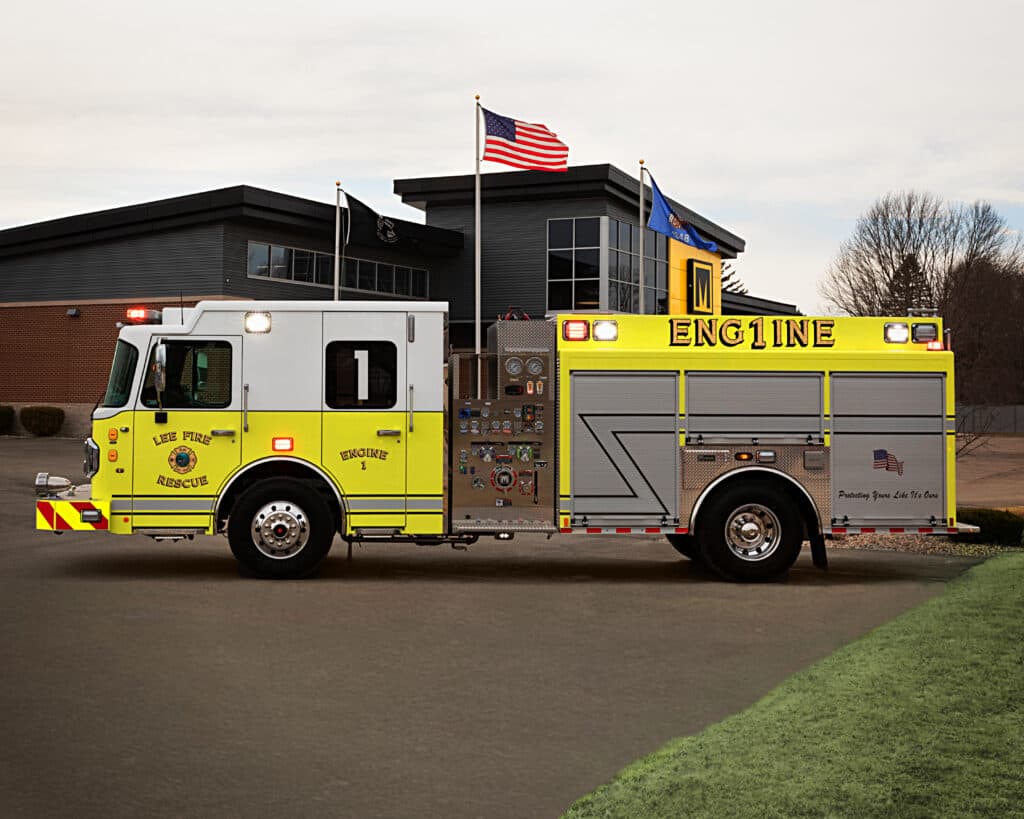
887	461
526	145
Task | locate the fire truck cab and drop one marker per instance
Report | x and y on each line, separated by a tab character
282	424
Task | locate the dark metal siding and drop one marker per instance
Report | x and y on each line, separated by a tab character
166	264
514	262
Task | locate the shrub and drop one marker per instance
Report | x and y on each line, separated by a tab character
6	420
997	526
41	420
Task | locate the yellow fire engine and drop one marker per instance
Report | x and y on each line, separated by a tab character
282	424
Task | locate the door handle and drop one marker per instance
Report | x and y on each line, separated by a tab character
382	433
222	433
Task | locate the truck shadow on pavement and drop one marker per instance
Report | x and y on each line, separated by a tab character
855	568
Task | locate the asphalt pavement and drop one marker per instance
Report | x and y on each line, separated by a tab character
148	679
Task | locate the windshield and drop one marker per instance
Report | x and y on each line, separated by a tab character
121	374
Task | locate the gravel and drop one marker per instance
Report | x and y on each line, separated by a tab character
920	544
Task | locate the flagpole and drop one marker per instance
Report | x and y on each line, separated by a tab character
476	256
337	235
642	231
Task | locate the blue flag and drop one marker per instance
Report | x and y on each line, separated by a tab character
664	220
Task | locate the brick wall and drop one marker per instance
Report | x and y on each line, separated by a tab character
48	357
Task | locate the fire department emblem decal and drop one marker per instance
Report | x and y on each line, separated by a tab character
182	460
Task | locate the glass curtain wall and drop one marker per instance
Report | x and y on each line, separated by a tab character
594	264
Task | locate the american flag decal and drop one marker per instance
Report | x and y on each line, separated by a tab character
887	461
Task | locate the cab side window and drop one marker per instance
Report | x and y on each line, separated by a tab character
361	375
198	376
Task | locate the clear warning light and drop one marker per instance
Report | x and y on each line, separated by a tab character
257	322
606	330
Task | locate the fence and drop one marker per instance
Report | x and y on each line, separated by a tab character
994	420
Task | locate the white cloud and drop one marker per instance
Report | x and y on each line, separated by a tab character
757	109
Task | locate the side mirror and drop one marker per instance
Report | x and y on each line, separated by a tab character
160	367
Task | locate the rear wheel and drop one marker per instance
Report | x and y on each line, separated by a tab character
686	545
750	532
280	528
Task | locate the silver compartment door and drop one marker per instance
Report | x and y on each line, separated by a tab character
625	448
888	449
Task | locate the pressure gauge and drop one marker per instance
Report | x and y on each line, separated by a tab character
514	365
534	366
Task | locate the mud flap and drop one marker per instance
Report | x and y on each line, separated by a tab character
818	556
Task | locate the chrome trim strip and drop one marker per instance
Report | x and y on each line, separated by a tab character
744	470
316	469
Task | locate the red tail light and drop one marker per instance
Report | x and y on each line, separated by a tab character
935	345
575	330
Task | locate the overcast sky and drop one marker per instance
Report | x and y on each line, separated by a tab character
781	121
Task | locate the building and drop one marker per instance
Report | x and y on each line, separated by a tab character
550	242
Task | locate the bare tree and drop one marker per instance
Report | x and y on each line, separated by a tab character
906	247
731	283
911	250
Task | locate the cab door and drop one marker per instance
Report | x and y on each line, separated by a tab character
366	416
187	437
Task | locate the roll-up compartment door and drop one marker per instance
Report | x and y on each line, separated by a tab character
625	448
888	449
769	406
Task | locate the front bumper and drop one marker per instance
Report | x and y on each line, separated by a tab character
72	511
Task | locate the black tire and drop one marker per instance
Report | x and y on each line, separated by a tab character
750	531
686	545
281	528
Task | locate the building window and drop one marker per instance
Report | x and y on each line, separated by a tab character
266	261
574	264
624	269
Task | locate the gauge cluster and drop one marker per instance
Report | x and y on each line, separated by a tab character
502	456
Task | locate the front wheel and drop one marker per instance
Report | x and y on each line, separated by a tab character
750	532
280	528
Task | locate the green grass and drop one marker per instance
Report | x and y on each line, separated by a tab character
922	717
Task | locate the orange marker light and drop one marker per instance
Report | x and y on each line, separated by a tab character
112	435
283	444
112	455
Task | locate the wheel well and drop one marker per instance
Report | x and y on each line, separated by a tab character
279	469
796	493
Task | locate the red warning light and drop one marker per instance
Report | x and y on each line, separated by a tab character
575	330
142	315
283	444
935	345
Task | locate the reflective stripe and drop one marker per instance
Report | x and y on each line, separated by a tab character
66	516
394	504
204	506
629	530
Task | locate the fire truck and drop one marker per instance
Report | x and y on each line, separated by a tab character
738	438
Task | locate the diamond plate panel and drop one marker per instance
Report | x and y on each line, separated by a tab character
702	466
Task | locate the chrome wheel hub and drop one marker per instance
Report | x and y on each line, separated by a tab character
280	529
752	532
